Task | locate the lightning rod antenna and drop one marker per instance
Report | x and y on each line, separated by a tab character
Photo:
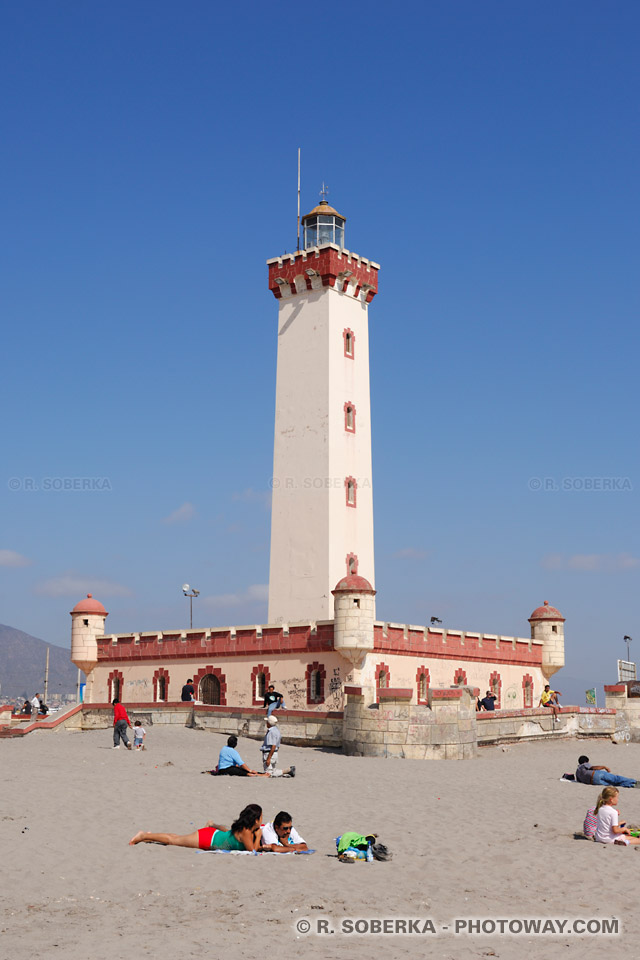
298	244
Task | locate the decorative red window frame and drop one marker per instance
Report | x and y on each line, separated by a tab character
382	668
311	669
527	690
351	482
258	701
348	405
495	685
422	672
352	563
161	672
347	330
217	672
460	677
115	675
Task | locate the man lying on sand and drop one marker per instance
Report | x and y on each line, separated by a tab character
601	776
281	835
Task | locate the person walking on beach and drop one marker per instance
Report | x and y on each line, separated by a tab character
244	834
139	733
120	723
270	747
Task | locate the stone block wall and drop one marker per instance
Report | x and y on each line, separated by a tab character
628	713
443	729
504	726
298	727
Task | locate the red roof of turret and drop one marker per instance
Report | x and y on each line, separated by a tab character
545	612
353	583
89	605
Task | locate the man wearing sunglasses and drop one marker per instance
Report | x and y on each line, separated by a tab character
282	836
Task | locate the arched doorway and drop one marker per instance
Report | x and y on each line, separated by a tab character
210	690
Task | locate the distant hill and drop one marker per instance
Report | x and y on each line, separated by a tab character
22	666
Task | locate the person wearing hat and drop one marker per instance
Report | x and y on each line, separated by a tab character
270	747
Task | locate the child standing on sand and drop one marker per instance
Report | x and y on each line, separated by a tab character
607	829
139	734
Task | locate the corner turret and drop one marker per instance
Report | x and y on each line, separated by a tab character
547	625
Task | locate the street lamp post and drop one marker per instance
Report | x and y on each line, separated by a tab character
628	640
190	592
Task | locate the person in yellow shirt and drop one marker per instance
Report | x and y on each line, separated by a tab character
549	698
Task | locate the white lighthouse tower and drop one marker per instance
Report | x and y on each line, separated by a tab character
322	506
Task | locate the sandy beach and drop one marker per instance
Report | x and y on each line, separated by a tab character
491	838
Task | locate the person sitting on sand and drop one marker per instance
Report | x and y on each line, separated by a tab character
608	830
243	834
549	698
601	776
231	764
282	835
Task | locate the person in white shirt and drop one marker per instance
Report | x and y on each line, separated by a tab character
608	830
282	836
35	706
270	746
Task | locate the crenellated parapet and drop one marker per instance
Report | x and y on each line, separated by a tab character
441	644
325	266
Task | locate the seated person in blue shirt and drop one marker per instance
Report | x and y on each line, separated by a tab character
488	702
231	764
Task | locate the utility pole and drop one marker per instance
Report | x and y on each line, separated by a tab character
46	677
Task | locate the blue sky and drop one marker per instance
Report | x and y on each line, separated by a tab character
485	154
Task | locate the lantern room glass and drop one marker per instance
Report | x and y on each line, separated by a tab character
323	229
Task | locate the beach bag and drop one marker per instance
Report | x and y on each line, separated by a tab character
590	823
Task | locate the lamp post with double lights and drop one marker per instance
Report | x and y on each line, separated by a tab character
190	592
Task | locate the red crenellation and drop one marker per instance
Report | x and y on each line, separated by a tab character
328	263
419	642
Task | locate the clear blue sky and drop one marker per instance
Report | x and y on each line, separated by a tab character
486	154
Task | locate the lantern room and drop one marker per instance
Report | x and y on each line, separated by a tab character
323	225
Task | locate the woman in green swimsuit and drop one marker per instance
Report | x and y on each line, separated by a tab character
244	834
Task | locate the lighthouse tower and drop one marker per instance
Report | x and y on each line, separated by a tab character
322	505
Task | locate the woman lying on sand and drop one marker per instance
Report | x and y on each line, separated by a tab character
244	834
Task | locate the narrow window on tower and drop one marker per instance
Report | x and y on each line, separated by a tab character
349	342
352	564
349	418
350	486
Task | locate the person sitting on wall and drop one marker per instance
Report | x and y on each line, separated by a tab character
244	834
188	692
282	835
488	702
601	776
231	764
549	698
27	708
273	701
